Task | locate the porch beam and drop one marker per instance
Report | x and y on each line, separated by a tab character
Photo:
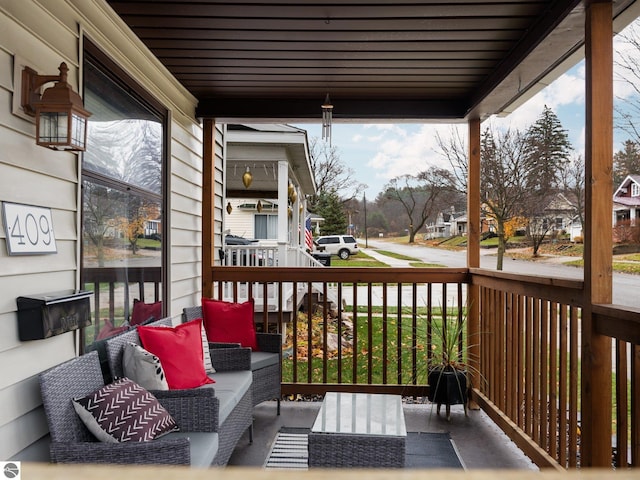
596	348
473	252
208	221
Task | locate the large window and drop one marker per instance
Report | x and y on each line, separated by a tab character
266	226
122	197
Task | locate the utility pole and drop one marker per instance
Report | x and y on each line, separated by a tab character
366	233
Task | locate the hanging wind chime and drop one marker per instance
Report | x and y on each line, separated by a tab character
327	116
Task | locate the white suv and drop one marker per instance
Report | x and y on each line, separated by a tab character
340	245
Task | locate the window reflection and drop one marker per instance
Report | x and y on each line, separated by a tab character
122	201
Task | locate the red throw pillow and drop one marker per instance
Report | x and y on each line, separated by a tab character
144	311
230	322
180	352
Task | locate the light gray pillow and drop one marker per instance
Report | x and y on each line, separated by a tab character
206	354
143	367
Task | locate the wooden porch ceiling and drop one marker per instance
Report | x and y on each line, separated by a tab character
408	60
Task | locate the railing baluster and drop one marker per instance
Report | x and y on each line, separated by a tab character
520	369
369	334
529	376
622	424
573	388
356	350
537	352
564	386
429	323
553	381
385	332
510	380
399	330
340	331
294	333
635	406
544	377
325	333
309	332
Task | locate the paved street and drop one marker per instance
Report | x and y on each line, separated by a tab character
625	286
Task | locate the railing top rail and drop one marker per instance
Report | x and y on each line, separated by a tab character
341	274
121	274
618	321
564	290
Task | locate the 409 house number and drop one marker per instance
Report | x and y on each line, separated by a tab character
28	229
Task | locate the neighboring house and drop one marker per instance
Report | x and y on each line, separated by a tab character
441	228
560	212
268	179
626	201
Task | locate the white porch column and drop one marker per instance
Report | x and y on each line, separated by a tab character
295	221
283	218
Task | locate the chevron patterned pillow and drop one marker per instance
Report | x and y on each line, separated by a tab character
123	411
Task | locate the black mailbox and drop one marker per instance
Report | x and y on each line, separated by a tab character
49	314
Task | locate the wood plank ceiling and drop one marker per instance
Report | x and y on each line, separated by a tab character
405	60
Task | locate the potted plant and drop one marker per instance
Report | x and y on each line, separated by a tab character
447	367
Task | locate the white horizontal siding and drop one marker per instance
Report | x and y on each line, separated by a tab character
41	34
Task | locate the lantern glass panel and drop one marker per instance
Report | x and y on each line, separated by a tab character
53	127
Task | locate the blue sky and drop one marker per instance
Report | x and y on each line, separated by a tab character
379	152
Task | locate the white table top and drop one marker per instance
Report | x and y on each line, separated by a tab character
361	414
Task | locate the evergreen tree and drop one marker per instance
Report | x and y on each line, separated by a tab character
549	148
626	162
330	207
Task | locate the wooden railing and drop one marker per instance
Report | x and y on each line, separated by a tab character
114	289
529	336
529	365
369	332
623	325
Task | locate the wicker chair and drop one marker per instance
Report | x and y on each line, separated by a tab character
194	411
265	366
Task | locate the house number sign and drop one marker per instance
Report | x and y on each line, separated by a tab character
28	229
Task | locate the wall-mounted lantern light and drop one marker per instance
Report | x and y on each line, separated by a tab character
229	208
61	120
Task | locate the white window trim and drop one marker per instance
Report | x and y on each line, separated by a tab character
635	190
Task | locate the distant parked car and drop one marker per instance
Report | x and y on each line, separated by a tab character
237	240
245	259
341	245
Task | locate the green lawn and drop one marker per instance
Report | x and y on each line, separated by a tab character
398	256
365	352
621	267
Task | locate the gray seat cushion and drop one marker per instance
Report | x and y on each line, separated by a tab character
230	387
203	446
263	359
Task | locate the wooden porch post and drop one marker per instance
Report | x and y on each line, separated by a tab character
208	182
596	429
473	251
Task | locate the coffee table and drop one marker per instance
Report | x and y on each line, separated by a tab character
358	430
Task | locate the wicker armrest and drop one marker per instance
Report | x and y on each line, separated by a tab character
161	451
223	345
269	342
226	359
194	410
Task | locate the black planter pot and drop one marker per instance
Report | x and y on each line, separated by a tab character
448	387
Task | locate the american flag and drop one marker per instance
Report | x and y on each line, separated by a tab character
308	234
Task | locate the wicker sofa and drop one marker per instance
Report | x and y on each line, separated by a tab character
211	418
265	363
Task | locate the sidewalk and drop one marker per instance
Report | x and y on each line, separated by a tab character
392	262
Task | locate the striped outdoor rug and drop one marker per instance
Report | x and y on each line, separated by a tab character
289	450
423	450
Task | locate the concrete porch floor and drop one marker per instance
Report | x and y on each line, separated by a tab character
480	443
